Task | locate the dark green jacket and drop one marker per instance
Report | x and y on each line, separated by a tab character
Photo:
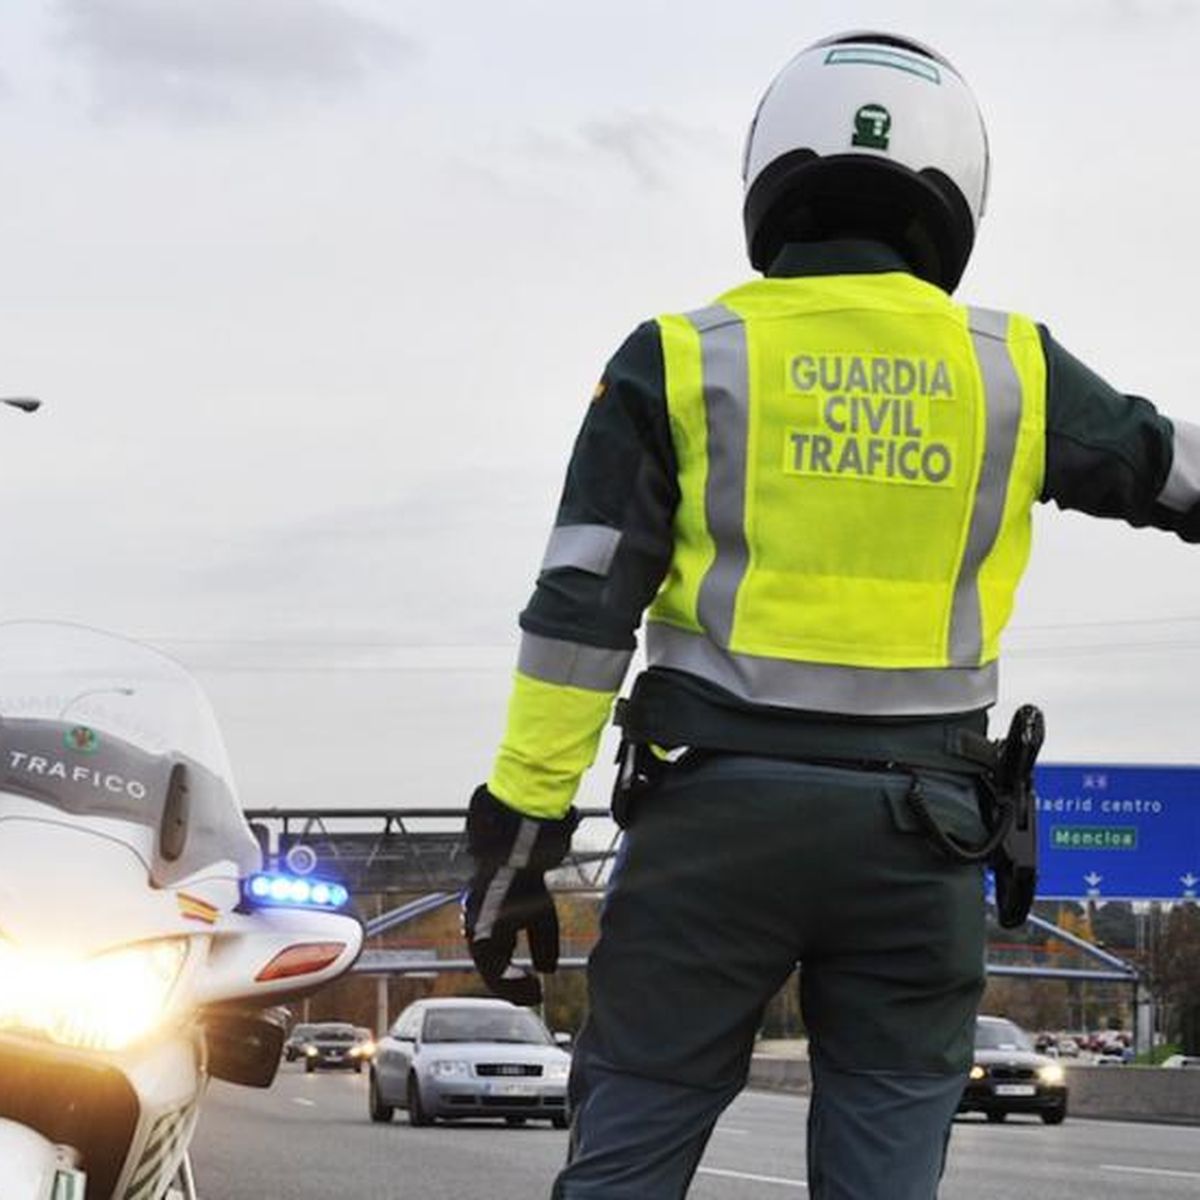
1107	454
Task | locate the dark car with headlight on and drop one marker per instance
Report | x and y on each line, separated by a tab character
1009	1076
336	1044
455	1058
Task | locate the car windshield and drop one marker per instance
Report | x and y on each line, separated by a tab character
335	1033
303	1031
1001	1035
100	727
484	1025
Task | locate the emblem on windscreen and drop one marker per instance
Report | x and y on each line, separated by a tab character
81	739
872	127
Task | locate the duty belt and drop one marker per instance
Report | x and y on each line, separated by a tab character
1003	771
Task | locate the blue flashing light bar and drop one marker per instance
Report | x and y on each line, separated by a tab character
293	891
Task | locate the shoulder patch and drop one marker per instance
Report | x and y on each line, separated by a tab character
599	390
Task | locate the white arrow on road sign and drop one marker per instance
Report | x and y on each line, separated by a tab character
1189	882
1092	879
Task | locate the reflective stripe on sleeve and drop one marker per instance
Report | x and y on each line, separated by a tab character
821	687
1182	489
588	548
572	663
1002	401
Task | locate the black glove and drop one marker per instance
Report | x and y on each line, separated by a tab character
507	893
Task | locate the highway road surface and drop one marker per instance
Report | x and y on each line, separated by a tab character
309	1138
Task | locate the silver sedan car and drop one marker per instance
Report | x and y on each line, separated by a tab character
454	1058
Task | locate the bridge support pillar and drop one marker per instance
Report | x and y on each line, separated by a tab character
381	1005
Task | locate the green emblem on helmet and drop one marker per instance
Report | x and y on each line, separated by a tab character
82	740
872	124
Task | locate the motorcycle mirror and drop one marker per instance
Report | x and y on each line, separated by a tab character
244	1045
173	829
24	403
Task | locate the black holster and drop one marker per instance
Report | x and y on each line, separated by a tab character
1008	807
639	770
1014	863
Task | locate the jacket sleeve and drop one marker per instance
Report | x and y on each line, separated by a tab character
607	555
1112	455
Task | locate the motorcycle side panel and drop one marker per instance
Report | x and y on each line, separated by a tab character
30	1163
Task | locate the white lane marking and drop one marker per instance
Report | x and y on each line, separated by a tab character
729	1129
779	1097
796	1183
301	1100
1150	1171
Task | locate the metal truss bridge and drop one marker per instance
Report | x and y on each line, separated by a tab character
412	850
421	853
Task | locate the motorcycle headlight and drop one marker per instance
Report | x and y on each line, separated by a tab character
105	1002
1051	1073
450	1068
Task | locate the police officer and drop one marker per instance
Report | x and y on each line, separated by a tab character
819	489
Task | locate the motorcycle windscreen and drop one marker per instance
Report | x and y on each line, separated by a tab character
98	726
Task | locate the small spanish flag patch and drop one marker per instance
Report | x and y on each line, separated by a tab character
599	390
196	909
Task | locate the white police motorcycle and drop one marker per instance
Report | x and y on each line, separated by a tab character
142	950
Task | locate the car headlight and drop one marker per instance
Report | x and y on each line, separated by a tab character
977	1072
558	1072
105	1002
1051	1073
450	1068
362	1050
311	1051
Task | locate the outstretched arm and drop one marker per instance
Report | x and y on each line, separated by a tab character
1112	455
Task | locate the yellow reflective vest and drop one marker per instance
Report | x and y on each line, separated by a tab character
858	460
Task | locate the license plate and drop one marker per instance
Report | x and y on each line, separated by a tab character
1015	1089
513	1089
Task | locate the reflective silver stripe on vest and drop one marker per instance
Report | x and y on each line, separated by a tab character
572	663
726	377
588	548
818	687
1002	404
1182	489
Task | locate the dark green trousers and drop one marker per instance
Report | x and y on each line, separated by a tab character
734	870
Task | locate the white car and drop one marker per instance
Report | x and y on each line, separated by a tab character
1181	1060
454	1058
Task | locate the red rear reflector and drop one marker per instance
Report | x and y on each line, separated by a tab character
305	959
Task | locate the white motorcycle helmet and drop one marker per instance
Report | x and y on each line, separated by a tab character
872	135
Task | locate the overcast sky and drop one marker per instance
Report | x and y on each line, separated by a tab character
316	291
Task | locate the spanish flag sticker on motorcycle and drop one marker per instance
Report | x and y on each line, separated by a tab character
196	909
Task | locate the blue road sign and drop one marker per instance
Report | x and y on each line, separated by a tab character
1118	832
